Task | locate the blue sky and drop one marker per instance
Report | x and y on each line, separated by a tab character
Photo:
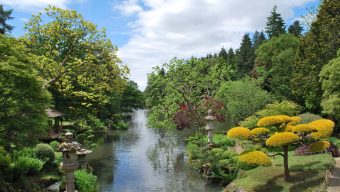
151	32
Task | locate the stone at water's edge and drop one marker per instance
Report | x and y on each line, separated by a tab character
54	187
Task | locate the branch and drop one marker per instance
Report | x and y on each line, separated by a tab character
63	63
275	154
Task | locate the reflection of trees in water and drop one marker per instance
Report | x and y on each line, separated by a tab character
167	153
103	159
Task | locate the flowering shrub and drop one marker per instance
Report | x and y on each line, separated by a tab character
259	131
319	146
239	132
303	128
323	128
273	120
255	158
282	138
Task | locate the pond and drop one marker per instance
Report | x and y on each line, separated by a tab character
146	159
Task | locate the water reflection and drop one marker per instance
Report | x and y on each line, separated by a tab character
145	159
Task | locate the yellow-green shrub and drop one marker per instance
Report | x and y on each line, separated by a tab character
239	132
282	138
319	146
255	158
259	131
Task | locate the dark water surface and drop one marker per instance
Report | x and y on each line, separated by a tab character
144	159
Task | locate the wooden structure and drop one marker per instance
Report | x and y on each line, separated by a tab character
57	116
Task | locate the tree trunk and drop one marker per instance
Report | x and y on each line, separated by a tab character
285	162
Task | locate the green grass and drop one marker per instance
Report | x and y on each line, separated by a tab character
307	174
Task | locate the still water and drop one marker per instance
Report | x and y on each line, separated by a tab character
144	159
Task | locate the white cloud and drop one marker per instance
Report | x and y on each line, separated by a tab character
30	5
184	28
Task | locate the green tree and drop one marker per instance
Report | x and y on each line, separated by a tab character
274	64
245	56
295	28
330	79
4	17
23	100
275	25
78	63
242	98
258	39
132	97
316	49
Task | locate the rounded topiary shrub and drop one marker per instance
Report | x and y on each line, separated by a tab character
44	152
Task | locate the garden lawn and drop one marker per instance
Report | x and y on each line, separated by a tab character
307	174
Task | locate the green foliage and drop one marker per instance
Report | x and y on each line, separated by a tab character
176	83
274	64
85	182
5	160
295	28
277	108
330	78
78	63
242	98
132	97
27	166
5	15
222	140
44	152
308	117
245	56
316	49
275	25
22	99
218	163
54	145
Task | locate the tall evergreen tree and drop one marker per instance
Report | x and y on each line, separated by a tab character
245	57
295	28
231	57
4	17
223	53
317	48
258	39
275	25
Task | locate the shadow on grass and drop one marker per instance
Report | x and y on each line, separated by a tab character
302	167
298	181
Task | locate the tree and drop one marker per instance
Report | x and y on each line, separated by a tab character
316	49
275	25
330	79
132	97
223	53
4	17
245	60
295	28
258	39
78	63
282	131
242	98
23	100
274	64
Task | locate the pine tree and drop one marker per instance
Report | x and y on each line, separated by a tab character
258	39
245	58
295	29
275	25
317	48
223	53
231	57
4	16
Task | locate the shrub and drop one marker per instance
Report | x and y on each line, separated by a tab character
288	108
28	165
44	152
5	159
54	145
239	132
259	131
255	158
25	152
319	146
308	117
85	182
222	140
242	98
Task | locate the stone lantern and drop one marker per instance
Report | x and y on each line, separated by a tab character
210	126
69	149
82	157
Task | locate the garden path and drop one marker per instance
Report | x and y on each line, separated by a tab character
334	177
